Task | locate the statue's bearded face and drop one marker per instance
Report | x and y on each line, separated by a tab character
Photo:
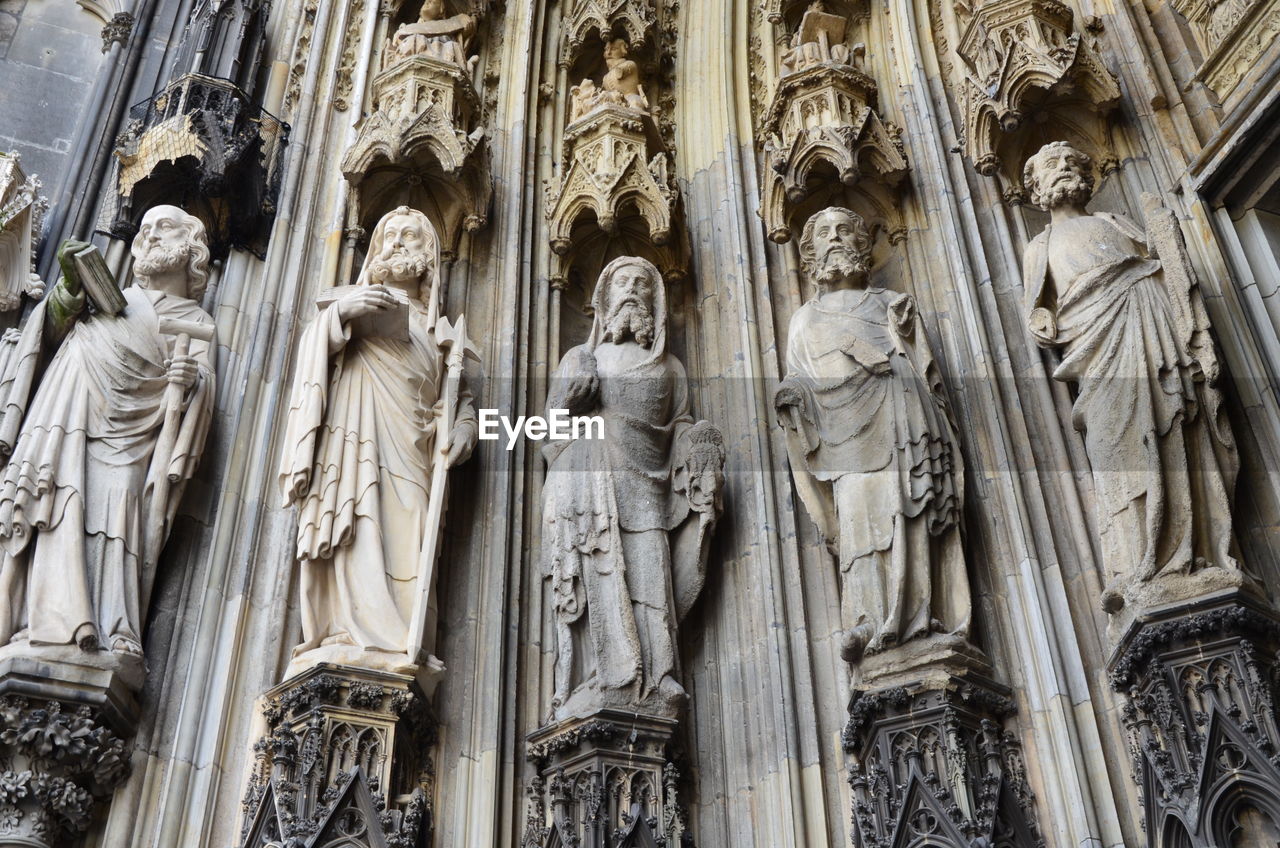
404	257
839	244
1059	175
629	306
163	244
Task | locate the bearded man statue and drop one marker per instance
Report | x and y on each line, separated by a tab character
628	518
360	454
1124	308
873	449
100	452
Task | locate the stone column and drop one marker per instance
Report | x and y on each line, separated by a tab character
607	781
346	753
1200	681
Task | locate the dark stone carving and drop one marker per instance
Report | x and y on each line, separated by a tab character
1200	681
345	760
118	30
607	781
938	765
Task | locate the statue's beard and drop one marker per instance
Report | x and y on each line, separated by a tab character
398	267
161	260
840	264
1074	191
629	320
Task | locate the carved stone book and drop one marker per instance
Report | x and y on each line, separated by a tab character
95	277
386	323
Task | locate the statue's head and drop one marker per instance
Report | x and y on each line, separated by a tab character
1058	174
836	247
432	10
404	252
170	240
626	297
615	49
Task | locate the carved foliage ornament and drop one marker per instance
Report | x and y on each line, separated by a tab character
54	767
1016	53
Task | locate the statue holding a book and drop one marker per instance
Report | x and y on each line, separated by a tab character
379	413
105	403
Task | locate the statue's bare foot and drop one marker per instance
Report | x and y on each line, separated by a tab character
126	646
671	692
855	642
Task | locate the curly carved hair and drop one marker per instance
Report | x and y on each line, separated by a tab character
862	238
1044	198
197	257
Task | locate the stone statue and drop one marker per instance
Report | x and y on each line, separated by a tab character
104	420
820	41
619	87
436	36
362	456
628	518
1125	310
873	448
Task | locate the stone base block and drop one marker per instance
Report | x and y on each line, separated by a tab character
930	661
605	781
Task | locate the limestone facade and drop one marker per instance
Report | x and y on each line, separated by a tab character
935	347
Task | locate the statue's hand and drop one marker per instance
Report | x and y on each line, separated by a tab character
902	311
461	442
35	287
788	401
583	392
1044	326
365	300
701	474
182	370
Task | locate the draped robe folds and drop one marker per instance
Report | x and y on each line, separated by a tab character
76	492
1163	461
361	438
609	505
874	458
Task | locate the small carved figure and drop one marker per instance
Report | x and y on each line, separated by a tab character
362	461
873	448
628	518
819	41
621	82
436	36
1126	311
101	442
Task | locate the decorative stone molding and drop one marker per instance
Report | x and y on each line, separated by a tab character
1237	33
345	754
614	159
203	140
633	19
117	30
22	211
424	127
607	781
1019	58
934	763
1200	683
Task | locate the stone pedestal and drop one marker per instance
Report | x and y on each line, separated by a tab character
346	754
66	719
934	762
1200	682
607	781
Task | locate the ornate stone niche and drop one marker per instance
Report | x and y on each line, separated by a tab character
1200	680
632	19
1232	35
936	764
202	143
822	133
345	759
605	782
21	213
1022	59
423	145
